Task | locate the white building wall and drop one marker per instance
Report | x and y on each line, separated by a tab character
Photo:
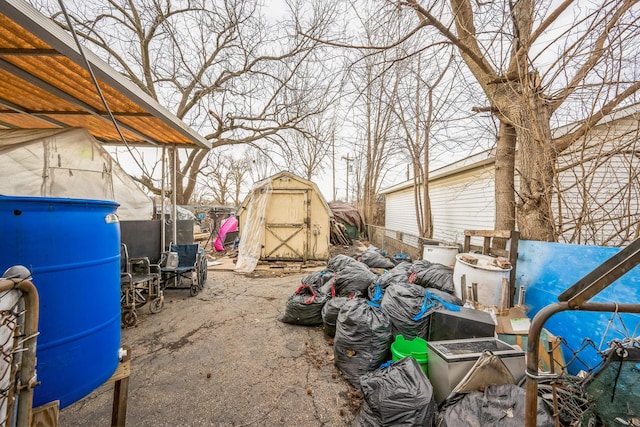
400	212
459	202
463	202
600	193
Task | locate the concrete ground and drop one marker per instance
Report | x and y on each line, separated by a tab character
223	359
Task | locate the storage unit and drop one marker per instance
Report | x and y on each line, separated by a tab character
72	247
463	324
288	219
449	361
487	275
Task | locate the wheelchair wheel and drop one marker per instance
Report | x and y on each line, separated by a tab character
193	290
129	318
156	305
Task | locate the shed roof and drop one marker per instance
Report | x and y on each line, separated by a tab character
258	185
44	84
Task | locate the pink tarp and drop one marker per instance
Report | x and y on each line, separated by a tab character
228	225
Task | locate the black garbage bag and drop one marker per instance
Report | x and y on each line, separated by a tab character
304	307
338	262
354	278
398	258
328	288
436	276
398	274
317	279
362	341
419	265
409	308
499	406
330	313
403	303
375	258
446	297
397	395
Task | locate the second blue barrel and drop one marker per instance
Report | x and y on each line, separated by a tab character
72	247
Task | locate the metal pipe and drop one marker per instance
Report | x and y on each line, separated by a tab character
174	194
521	296
554	390
27	380
531	405
163	226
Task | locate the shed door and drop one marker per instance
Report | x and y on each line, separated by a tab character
286	225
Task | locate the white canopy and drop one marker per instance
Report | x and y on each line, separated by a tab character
67	163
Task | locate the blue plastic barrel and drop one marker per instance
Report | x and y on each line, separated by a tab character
72	247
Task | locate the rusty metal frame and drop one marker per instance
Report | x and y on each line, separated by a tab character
575	298
27	380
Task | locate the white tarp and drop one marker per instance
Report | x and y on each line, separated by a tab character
67	163
252	236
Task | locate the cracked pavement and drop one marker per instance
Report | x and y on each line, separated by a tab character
222	358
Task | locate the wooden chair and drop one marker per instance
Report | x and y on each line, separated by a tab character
497	248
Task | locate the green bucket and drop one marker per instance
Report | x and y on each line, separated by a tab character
416	348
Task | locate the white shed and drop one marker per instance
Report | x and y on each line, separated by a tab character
284	217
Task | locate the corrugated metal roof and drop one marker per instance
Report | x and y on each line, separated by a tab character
44	84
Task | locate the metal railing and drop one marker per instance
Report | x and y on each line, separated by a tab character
575	298
18	334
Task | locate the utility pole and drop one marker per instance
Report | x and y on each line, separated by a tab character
333	162
348	159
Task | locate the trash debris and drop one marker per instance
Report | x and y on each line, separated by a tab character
398	394
409	307
376	258
304	307
499	405
362	340
330	313
352	278
436	276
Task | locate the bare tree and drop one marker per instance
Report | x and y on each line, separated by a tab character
423	104
598	184
219	66
509	59
217	176
378	134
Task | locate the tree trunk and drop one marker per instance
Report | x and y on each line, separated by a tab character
536	159
504	173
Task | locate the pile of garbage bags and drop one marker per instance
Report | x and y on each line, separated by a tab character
364	309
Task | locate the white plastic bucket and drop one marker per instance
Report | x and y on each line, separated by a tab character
485	274
445	255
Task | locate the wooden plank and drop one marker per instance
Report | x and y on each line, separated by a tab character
121	390
504	234
119	407
123	371
46	415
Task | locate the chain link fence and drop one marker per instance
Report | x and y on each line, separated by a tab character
606	391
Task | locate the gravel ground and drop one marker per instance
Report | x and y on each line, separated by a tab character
223	359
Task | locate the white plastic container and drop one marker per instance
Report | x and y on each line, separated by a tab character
485	274
172	261
445	255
